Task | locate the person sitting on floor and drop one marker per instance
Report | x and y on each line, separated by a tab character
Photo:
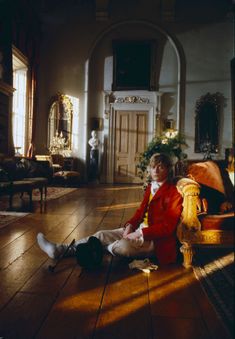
152	229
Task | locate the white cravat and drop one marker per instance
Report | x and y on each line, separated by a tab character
154	187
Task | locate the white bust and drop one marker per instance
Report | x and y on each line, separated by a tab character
93	142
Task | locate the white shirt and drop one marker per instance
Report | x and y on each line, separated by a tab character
155	186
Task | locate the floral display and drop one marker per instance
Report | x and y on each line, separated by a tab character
170	145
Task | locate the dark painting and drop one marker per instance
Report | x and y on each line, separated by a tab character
133	69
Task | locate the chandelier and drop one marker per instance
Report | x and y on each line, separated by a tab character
58	144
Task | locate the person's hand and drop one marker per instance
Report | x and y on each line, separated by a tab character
136	237
127	229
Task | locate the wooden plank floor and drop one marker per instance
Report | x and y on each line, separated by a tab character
113	302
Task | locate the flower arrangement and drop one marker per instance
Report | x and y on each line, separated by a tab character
170	145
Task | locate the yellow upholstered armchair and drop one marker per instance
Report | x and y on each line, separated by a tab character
208	210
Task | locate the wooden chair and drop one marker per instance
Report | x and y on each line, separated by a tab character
205	219
57	162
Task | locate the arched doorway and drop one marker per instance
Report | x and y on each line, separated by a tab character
97	88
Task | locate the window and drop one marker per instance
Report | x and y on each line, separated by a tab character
19	115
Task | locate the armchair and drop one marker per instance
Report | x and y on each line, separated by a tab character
208	210
61	173
21	175
57	161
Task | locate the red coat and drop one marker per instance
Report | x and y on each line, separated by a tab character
163	216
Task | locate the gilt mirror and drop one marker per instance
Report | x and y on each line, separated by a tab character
60	123
207	121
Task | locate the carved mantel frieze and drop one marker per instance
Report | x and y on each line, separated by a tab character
132	99
112	99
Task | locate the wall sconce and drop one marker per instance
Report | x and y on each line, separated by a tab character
106	104
97	124
109	98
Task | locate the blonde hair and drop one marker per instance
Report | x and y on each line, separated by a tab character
162	158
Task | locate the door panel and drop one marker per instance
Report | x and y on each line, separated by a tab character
123	135
130	141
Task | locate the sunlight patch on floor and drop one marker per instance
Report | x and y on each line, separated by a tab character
220	262
120	188
121	305
119	206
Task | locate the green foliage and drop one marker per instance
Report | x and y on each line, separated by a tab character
163	144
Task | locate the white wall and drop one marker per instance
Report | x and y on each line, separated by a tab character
208	50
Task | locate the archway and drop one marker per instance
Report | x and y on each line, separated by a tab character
181	65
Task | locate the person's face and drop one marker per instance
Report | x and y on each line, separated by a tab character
159	172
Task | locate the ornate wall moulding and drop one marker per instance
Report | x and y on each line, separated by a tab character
132	99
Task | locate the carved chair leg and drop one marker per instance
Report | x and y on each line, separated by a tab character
187	251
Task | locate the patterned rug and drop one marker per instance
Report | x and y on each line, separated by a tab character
7	218
214	269
52	193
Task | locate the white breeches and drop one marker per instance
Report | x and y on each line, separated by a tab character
113	241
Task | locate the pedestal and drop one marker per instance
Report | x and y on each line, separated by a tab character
94	165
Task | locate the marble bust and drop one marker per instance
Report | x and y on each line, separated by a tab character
94	141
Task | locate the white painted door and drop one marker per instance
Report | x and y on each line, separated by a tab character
131	135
